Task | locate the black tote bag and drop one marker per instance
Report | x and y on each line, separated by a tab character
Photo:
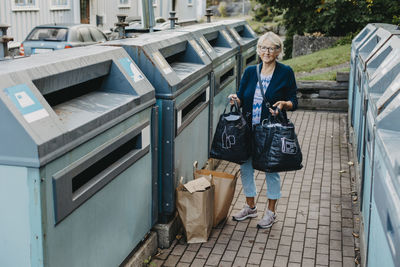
275	146
231	140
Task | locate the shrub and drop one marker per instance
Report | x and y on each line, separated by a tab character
222	9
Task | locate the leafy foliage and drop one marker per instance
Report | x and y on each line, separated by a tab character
332	17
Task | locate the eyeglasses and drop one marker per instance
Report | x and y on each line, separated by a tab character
269	49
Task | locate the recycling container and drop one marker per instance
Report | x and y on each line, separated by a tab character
384	238
222	50
381	90
76	174
180	71
366	65
356	43
247	40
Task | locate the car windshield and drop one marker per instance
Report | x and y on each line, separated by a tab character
48	34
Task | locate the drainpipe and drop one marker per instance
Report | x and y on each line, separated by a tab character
209	14
173	19
148	19
4	39
121	24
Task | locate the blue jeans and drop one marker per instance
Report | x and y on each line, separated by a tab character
249	187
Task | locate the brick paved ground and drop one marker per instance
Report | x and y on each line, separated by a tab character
316	213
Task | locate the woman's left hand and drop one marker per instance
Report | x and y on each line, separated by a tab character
281	105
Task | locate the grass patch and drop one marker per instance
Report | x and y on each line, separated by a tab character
326	76
320	59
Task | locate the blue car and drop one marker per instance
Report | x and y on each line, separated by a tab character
47	38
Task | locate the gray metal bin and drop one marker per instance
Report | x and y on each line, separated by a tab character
362	37
380	71
368	66
76	185
222	50
384	237
382	89
180	71
247	40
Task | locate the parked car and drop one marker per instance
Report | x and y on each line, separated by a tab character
47	38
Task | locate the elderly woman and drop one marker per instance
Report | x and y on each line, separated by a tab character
279	87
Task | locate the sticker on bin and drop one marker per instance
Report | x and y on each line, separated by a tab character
227	37
235	33
197	48
206	44
26	102
162	63
131	69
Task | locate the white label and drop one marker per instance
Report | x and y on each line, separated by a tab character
227	37
137	76
23	99
208	94
197	48
179	119
206	44
146	136
36	115
162	63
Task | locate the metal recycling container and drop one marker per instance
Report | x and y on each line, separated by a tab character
247	40
222	50
367	63
180	72
381	90
356	43
76	183
384	237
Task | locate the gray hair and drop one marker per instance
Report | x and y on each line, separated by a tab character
273	38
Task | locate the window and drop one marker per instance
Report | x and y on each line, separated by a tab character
48	34
25	5
124	3
154	3
60	4
190	2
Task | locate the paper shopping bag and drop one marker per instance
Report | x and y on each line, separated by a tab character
195	207
225	184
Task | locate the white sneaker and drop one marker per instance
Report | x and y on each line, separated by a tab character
245	213
268	220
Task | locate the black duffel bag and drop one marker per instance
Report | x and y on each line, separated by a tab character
231	140
275	145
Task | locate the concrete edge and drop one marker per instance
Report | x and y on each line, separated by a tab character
146	250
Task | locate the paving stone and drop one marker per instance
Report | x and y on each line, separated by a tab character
210	243
188	256
183	264
297	246
194	247
248	241
310	243
269	254
203	253
240	262
348	251
335	255
237	235
272	244
295	256
223	239
225	264
307	262
335	264
198	263
172	260
309	253
322	259
348	262
233	245
267	263
261	237
255	258
213	259
293	264
244	252
229	256
258	248
156	263
281	261
178	250
219	249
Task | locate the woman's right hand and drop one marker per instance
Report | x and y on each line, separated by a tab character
233	98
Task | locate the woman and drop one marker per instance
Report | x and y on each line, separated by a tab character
279	88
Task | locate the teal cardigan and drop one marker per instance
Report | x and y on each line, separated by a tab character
282	87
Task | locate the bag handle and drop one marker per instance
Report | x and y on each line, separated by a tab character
236	105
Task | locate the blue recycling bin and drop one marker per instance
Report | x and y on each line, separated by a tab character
180	71
384	233
365	69
356	43
247	40
220	46
76	173
380	92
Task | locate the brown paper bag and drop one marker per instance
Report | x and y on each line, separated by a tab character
225	185
196	212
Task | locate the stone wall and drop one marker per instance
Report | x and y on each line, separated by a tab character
304	45
323	95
